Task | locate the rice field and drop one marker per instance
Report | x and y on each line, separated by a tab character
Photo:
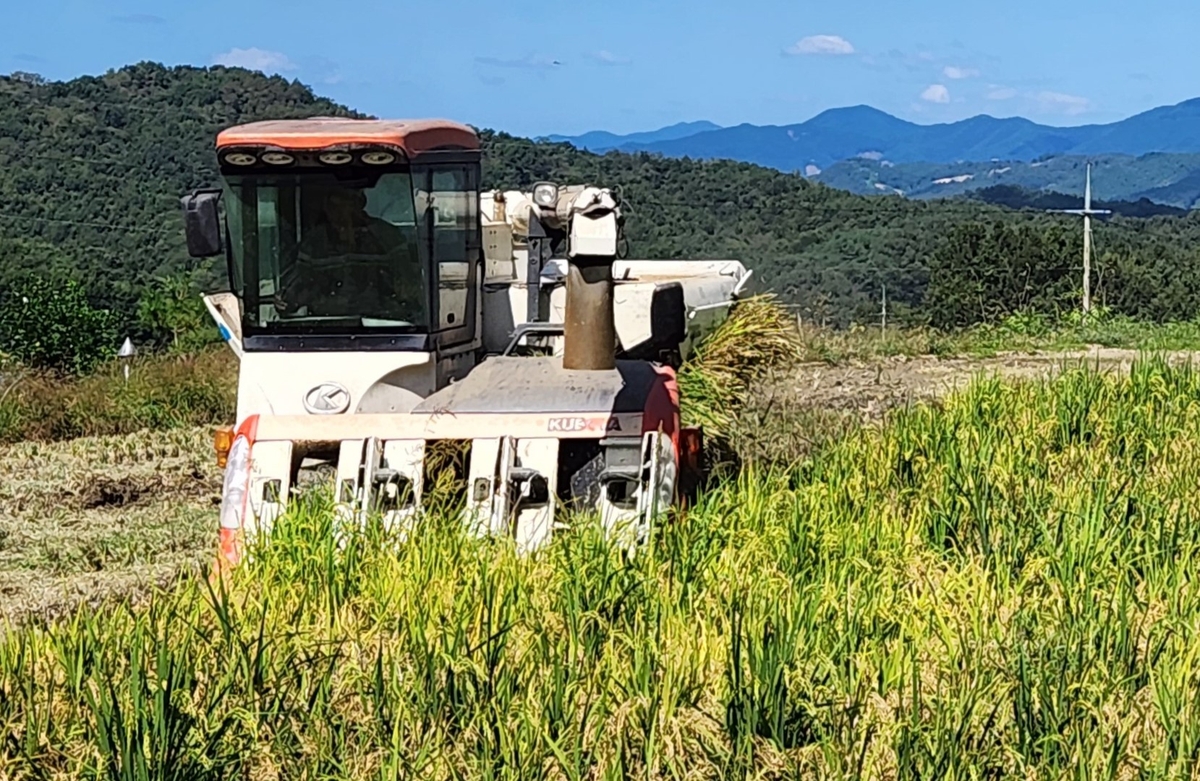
1001	584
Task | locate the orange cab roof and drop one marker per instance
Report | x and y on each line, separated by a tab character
409	136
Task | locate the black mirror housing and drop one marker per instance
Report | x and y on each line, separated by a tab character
668	316
668	327
202	223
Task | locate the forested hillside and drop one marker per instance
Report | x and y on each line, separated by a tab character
91	172
950	262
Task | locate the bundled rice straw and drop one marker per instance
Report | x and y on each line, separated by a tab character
718	378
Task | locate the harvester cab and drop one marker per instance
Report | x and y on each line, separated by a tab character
383	308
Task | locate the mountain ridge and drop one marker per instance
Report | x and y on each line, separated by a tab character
868	151
598	140
1171	179
844	133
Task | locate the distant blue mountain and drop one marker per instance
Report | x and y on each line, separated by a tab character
1172	179
602	141
867	133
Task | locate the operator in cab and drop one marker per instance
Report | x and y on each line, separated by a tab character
350	263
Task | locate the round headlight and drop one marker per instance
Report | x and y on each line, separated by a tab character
336	158
239	158
378	158
277	158
545	194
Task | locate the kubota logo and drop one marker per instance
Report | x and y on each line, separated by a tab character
328	398
575	424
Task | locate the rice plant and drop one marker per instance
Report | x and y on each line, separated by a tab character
1005	585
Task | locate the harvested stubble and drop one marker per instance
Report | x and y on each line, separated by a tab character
89	518
1006	585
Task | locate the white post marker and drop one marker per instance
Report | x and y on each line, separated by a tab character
126	352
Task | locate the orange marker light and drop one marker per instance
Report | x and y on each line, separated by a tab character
691	446
222	442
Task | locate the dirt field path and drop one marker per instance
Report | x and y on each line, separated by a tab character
874	386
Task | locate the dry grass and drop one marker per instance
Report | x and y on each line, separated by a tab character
163	392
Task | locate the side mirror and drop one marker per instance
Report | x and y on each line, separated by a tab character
668	316
668	327
202	223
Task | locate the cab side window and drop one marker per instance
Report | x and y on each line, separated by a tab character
448	198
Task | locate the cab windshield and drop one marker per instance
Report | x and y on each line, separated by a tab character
318	252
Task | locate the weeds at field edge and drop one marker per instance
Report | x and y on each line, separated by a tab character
163	392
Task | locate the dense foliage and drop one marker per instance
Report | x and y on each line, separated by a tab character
1015	197
91	171
49	324
832	253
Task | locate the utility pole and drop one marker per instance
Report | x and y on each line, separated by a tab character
1087	212
883	315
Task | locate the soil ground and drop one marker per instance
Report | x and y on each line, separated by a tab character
89	519
872	387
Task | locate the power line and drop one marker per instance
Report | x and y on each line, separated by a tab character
96	225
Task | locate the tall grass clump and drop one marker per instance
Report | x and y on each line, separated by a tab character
1007	585
162	392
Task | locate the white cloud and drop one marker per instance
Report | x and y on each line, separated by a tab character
821	44
255	59
605	57
1001	93
530	62
1063	103
955	72
936	93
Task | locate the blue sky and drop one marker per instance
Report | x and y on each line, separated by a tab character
538	68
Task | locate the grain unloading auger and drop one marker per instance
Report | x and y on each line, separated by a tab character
381	304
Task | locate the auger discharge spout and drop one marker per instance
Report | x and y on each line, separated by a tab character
589	327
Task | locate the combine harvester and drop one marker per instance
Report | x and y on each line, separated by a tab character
380	303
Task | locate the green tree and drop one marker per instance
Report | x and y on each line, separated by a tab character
986	273
174	316
50	324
